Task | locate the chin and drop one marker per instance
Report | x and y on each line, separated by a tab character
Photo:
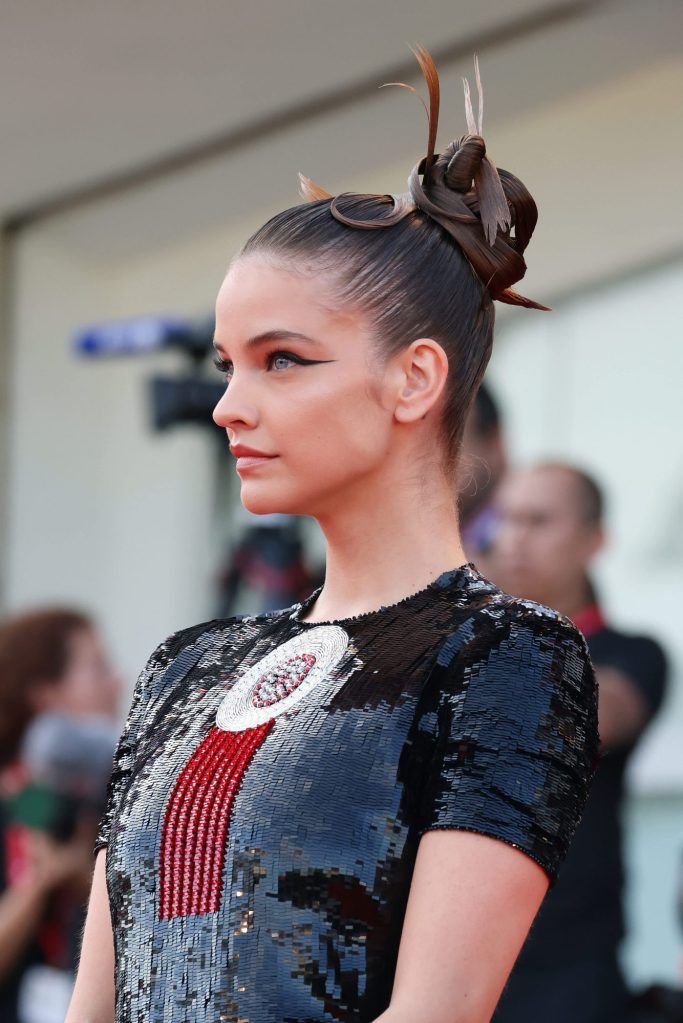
313	493
529	590
518	584
263	500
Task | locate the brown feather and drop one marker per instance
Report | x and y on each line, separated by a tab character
411	88
431	77
511	297
310	191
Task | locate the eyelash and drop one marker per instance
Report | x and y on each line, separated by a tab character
224	366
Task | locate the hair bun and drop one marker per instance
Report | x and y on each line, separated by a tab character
462	161
487	211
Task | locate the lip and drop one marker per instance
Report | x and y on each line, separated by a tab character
249	458
249	462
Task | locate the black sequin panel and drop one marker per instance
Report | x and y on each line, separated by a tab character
258	872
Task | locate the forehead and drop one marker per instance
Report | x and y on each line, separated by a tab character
258	295
83	642
548	490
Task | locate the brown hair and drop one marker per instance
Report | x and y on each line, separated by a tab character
427	263
33	649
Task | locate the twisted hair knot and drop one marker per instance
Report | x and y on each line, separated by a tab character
488	211
462	161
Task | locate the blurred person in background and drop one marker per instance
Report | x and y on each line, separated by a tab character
58	703
551	528
483	466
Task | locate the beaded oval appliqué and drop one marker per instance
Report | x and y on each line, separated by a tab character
282	678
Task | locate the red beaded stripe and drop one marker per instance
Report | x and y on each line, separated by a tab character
197	819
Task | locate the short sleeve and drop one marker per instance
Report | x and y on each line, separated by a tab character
515	732
124	754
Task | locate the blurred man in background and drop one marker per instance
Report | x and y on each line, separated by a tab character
483	466
58	705
550	529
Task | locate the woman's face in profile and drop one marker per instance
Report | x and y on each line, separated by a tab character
306	408
87	685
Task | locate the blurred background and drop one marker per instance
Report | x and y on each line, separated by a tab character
142	143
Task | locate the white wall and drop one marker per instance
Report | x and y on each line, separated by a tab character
103	512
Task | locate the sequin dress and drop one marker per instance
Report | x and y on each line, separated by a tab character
274	777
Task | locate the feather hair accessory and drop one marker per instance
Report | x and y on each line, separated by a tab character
487	210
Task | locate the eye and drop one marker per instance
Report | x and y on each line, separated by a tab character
283	360
223	366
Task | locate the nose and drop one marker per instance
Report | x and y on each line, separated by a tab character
234	408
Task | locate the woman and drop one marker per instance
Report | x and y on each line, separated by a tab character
55	682
350	809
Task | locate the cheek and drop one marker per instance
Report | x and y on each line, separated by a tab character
77	686
81	688
329	439
338	427
553	549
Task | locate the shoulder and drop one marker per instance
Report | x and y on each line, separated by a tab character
174	644
180	651
518	666
547	630
515	612
500	625
220	630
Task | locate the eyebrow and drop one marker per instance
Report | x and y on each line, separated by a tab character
269	336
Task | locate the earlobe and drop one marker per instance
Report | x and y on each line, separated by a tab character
599	541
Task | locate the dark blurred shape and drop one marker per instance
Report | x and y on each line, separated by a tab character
266	570
657	1004
173	401
71	754
483	464
67	761
182	400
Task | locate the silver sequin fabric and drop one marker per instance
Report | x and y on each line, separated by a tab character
261	874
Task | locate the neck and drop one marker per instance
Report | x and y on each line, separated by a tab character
575	597
379	552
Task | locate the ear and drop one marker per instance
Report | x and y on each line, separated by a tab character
597	541
422	371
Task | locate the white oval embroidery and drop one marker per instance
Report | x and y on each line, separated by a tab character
282	678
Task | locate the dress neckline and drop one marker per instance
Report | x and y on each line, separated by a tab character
453	578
